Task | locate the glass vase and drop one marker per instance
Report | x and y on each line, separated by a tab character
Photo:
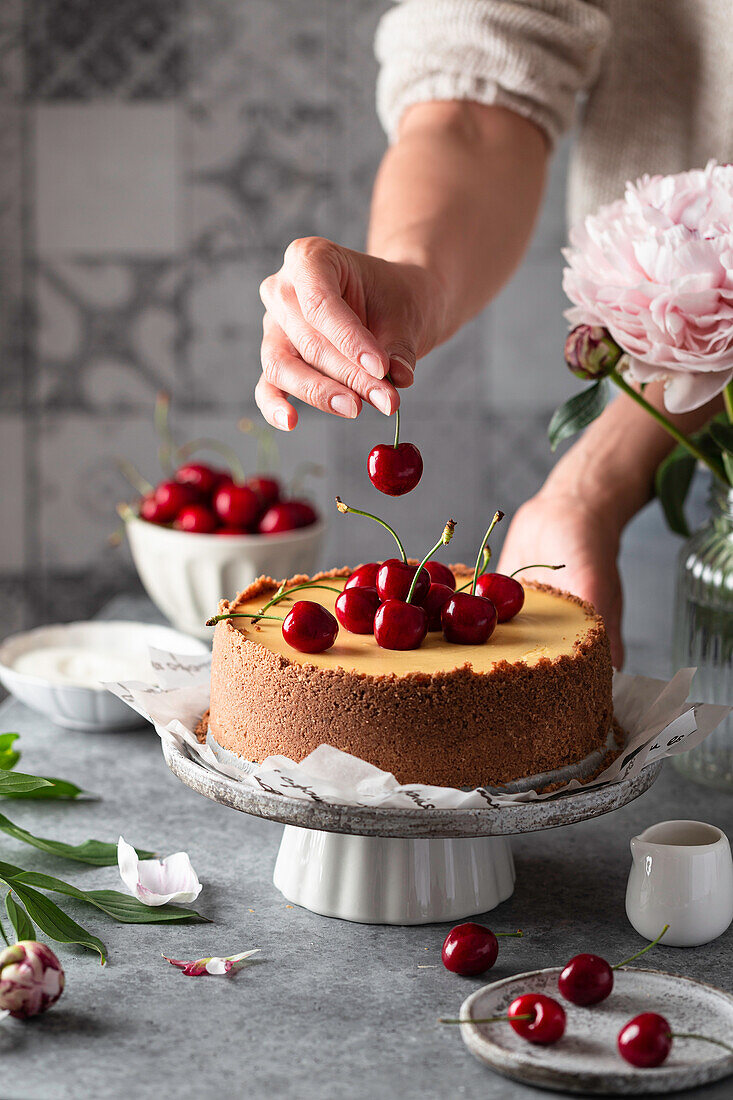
703	634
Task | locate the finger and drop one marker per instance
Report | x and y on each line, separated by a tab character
287	372
316	351
274	406
315	268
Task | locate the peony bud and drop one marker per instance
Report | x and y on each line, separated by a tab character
591	352
31	979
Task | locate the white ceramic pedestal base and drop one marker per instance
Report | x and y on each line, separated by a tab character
386	880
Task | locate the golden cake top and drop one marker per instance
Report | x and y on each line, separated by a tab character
549	625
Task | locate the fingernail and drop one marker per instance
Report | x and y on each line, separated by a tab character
404	362
343	405
381	401
372	364
281	418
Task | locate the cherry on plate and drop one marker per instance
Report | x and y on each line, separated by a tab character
467	619
440	574
586	980
394	578
537	1018
309	628
394	470
237	505
506	594
469	949
365	576
645	1041
197	519
400	625
356	608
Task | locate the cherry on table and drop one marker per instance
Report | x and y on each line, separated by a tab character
356	608
469	949
394	578
440	574
288	515
365	576
171	497
400	625
546	1023
394	469
197	519
506	594
309	627
467	619
645	1041
437	597
199	476
267	489
586	980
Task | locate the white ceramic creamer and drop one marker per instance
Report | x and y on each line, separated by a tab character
681	875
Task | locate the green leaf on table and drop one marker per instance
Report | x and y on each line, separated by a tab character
19	783
96	852
672	481
54	921
9	756
21	922
122	907
59	789
578	412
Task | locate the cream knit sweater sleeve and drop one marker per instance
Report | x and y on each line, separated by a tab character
533	56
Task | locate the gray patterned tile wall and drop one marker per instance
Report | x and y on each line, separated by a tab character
157	157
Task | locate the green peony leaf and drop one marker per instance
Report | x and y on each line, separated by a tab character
19	783
96	852
122	907
672	481
57	789
53	921
9	756
578	412
19	919
722	434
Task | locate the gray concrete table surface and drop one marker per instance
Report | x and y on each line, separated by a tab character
331	1009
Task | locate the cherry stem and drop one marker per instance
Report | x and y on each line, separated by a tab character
538	566
396	416
442	541
183	453
498	516
643	950
487	1019
165	449
241	615
518	932
702	1038
345	508
484	563
135	478
282	592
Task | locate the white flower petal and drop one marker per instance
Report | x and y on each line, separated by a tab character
158	881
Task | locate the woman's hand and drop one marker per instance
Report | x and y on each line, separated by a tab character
557	527
336	322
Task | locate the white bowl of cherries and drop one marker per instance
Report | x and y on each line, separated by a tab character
205	532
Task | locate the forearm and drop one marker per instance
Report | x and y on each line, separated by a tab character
458	195
612	466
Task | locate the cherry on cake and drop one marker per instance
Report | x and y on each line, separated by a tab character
534	698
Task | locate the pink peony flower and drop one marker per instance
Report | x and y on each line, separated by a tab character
656	268
31	979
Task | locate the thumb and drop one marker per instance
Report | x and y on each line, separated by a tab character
401	347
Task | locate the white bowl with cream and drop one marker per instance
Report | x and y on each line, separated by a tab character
60	670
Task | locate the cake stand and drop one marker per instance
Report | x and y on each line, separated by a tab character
383	865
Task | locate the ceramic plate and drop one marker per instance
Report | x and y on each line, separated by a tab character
586	1060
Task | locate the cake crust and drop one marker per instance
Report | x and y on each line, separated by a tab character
448	728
